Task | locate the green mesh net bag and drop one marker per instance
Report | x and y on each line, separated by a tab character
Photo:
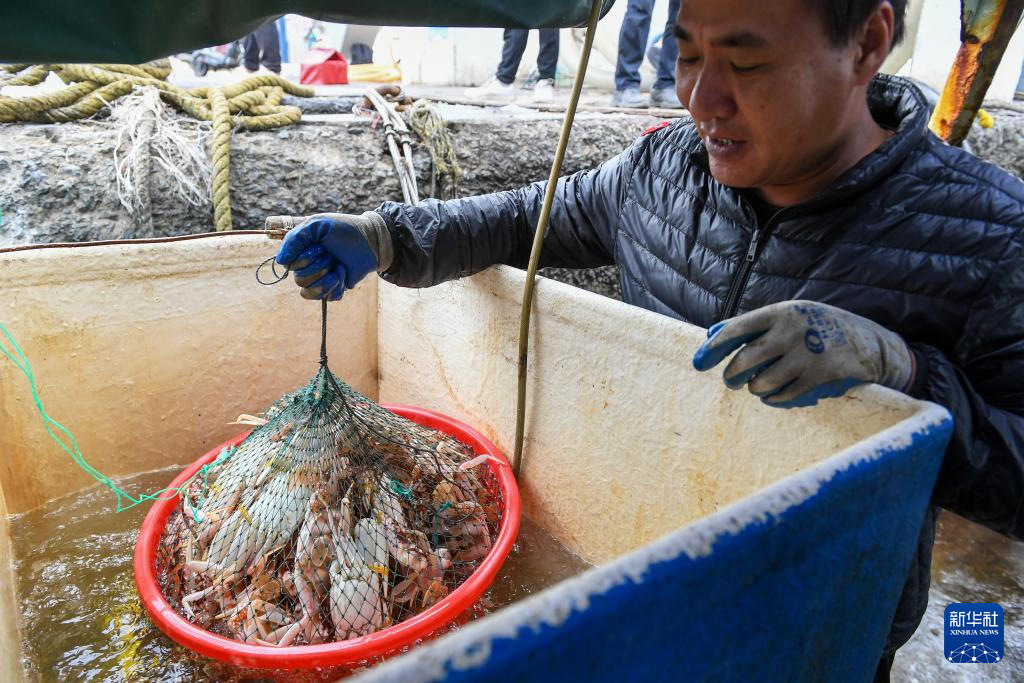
335	518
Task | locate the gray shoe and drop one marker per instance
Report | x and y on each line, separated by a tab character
665	98
629	98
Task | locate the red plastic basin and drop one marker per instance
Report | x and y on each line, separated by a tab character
349	651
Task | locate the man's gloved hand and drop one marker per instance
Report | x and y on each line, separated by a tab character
331	252
796	352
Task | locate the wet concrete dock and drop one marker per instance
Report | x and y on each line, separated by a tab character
971	564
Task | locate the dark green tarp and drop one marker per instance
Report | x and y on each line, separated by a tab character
134	31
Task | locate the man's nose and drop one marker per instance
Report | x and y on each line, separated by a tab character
711	96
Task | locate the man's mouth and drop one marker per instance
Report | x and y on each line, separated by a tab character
723	148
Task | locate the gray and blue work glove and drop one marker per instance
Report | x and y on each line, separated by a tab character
796	352
331	252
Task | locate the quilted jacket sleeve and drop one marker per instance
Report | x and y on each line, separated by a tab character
437	241
982	475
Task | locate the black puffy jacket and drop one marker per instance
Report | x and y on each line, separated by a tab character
920	237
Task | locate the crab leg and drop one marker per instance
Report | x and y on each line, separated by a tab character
203	567
284	636
479	460
192	597
242	604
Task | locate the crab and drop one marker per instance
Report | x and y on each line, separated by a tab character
426	584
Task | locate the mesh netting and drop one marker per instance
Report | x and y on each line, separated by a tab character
332	520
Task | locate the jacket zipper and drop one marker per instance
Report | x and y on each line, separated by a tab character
732	302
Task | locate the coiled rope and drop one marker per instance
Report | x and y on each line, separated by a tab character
426	122
252	104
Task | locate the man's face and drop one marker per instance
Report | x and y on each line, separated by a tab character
769	93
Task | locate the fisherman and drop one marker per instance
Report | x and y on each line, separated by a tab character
805	214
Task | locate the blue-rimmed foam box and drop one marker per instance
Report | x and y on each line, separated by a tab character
730	541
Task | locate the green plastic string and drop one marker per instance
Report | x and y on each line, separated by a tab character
403	491
70	446
434	522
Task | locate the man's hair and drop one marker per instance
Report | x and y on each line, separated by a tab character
844	17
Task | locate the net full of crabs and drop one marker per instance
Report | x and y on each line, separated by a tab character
333	519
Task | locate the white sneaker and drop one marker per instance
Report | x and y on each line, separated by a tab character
493	90
544	91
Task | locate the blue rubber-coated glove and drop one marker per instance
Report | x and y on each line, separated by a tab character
796	352
331	252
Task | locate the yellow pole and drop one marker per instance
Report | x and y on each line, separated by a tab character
538	237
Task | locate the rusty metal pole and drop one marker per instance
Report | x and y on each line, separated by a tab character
985	29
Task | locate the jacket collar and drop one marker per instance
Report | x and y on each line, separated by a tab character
896	104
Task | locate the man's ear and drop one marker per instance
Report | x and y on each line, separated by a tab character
873	42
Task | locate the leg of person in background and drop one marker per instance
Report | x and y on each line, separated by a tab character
361	54
500	86
632	43
251	53
1019	94
270	46
511	54
663	94
547	64
282	38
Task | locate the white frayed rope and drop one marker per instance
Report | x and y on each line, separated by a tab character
151	137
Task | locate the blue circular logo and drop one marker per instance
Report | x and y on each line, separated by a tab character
813	341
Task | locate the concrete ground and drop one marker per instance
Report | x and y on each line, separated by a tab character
971	564
590	99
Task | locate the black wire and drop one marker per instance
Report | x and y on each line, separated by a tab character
323	306
273	269
330	375
323	341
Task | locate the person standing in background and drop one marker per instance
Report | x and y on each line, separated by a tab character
632	43
500	86
262	47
